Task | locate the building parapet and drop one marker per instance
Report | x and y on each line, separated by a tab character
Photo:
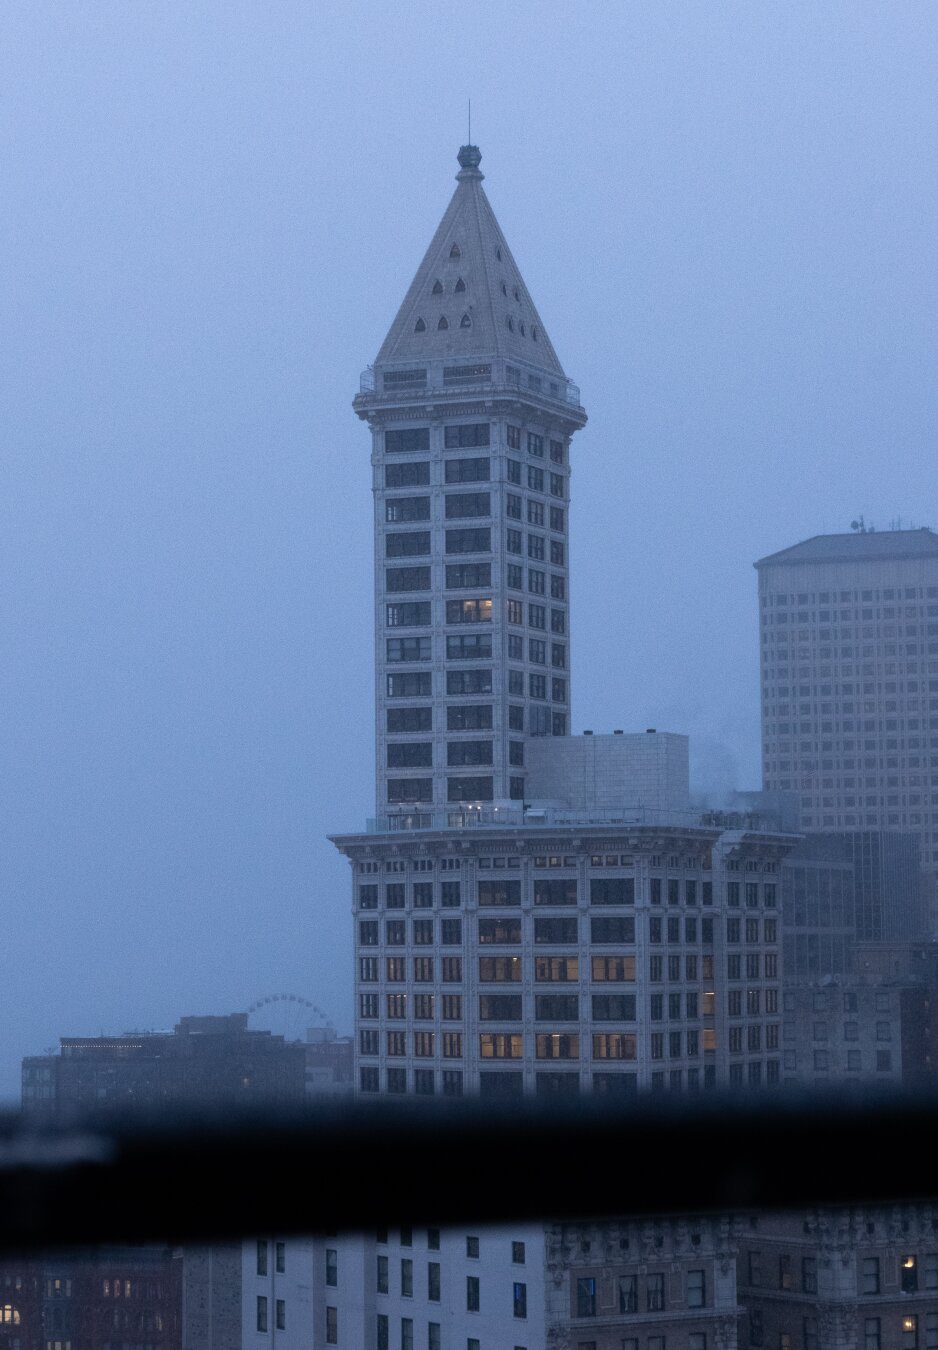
490	817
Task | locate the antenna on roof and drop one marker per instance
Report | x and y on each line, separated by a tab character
469	138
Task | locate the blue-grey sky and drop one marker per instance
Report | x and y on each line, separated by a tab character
726	215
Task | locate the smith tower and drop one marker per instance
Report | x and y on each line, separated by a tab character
471	417
535	912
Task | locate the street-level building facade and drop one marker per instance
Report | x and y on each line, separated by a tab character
844	1279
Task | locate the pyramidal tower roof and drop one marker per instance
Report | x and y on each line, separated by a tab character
468	299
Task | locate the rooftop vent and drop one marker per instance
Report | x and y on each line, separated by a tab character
587	733
650	731
618	732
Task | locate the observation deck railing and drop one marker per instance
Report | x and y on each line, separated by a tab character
502	377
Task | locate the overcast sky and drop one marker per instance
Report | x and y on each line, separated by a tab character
726	214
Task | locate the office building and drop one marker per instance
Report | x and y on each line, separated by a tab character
561	958
92	1300
845	1279
849	657
860	1030
841	889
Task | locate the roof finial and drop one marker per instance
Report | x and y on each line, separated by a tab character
469	158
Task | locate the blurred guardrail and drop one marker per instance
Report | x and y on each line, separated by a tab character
191	1177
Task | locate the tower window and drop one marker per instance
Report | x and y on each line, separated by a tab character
516	295
410	438
460	285
504	289
437	288
454	252
465	321
498	254
511	326
420	326
521	329
442	323
534	334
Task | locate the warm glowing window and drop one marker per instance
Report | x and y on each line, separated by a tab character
908	1274
556	1045
500	1045
613	1045
616	968
548	969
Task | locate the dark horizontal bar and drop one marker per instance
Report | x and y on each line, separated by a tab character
195	1177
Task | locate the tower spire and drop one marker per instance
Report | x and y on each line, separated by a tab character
469	299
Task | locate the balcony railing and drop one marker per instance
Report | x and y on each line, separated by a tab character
495	377
186	1177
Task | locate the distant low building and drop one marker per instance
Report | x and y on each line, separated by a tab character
330	1063
853	1030
204	1061
152	1298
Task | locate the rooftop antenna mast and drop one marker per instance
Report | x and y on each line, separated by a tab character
469	101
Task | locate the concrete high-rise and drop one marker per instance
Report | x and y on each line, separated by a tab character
849	655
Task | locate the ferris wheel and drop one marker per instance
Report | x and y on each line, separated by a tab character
287	1015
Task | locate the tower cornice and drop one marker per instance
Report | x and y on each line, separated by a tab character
379	412
443	385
